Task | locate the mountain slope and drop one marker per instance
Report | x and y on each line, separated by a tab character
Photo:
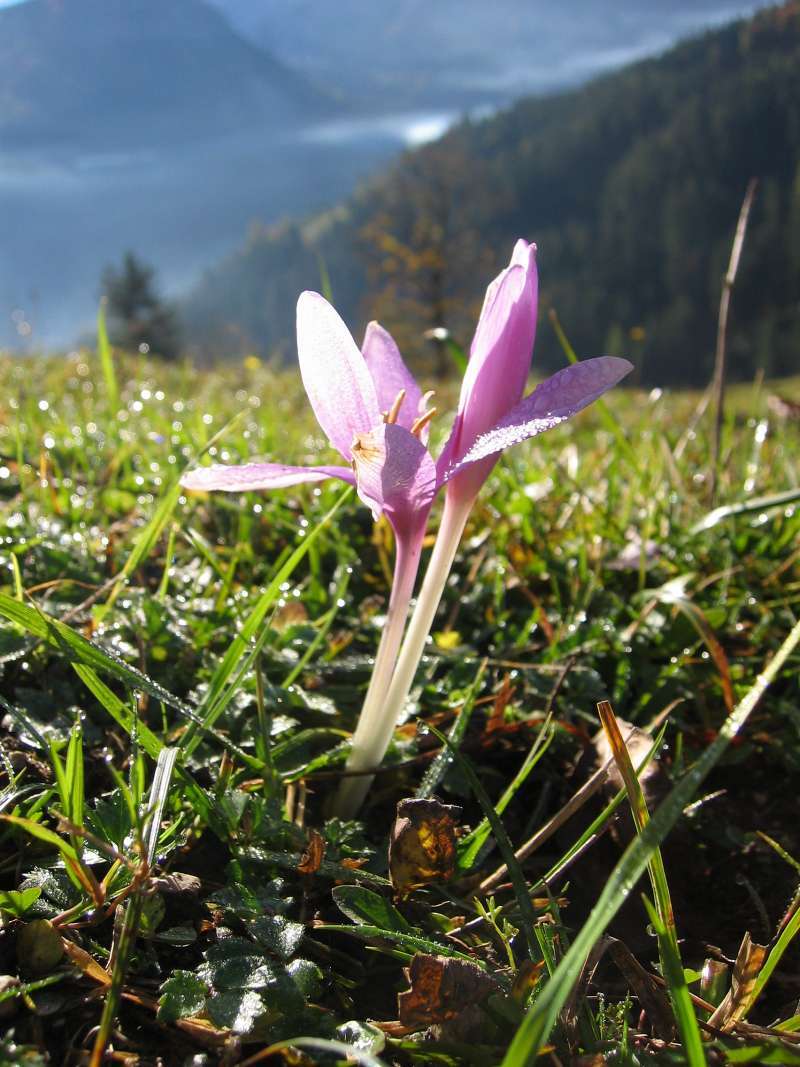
454	53
106	74
631	187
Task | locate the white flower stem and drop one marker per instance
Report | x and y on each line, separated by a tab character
371	742
352	790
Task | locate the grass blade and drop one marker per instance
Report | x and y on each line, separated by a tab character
503	843
438	768
106	356
672	967
474	841
159	792
119	711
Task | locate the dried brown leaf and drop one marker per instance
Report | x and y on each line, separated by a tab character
749	962
422	847
442	988
312	857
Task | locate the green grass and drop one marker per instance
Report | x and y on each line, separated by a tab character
179	678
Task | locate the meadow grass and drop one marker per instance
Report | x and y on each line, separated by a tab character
180	676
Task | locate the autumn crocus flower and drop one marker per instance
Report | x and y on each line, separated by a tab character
368	405
373	412
492	415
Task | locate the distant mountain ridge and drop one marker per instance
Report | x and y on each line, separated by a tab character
458	53
110	74
631	186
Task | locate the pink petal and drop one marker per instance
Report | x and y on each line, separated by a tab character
500	356
259	476
390	374
395	474
334	373
520	257
555	400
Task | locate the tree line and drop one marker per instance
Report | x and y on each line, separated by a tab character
630	186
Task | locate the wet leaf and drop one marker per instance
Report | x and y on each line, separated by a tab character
153	911
237	964
179	936
278	934
250	901
236	1010
182	994
367	908
306	977
361	1036
422	847
111	819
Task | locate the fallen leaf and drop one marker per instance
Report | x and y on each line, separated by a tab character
84	962
442	988
353	863
736	1002
526	979
422	847
177	883
312	857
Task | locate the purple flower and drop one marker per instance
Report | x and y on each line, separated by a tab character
368	405
492	415
373	411
375	415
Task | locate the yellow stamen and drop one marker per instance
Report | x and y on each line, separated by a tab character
419	424
425	399
390	416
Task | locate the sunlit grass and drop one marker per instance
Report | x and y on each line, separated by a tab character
587	573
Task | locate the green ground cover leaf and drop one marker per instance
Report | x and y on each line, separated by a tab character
367	908
182	994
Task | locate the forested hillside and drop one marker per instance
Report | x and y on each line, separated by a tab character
631	186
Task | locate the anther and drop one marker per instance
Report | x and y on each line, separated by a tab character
424	400
419	424
390	416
